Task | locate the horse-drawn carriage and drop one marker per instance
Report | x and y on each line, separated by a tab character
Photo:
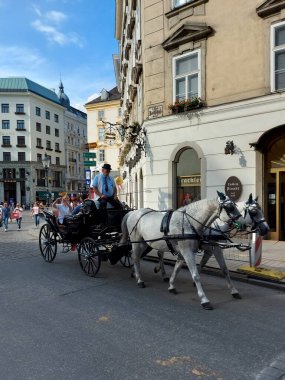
93	233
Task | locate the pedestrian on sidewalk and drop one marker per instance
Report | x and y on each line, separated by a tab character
35	214
19	210
6	215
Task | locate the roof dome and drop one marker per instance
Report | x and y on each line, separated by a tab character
63	98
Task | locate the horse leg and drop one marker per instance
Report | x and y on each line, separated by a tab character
177	267
160	266
218	253
137	250
205	258
189	258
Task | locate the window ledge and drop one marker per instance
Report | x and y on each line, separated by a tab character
39	147
20	113
50	149
6	146
173	12
21	145
58	151
20	129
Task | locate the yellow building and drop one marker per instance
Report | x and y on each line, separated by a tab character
103	139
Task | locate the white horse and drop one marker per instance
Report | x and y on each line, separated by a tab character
186	228
253	218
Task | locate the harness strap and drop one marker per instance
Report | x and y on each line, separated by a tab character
164	227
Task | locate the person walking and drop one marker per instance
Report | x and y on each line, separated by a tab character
35	214
105	189
6	215
19	210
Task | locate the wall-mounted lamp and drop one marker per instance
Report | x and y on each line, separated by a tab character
230	147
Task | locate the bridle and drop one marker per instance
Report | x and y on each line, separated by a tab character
229	206
251	209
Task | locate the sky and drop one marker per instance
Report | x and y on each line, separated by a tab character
49	40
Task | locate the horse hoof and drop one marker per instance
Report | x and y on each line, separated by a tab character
132	275
207	306
194	284
141	285
156	270
173	291
165	279
237	296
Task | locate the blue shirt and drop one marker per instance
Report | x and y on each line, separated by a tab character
99	183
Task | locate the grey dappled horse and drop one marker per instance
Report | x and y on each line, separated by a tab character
186	225
253	218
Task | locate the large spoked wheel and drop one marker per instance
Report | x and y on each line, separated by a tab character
48	243
127	260
89	256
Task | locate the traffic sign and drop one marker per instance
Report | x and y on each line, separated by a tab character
89	163
89	155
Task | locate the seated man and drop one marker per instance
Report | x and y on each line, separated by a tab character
105	189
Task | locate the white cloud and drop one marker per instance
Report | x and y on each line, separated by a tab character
56	17
18	59
49	23
54	35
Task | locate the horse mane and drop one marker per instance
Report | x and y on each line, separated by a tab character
195	207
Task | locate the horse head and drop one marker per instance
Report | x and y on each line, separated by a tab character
254	216
228	210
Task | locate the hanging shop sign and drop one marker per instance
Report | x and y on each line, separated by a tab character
233	188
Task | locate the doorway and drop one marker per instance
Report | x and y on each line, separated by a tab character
275	187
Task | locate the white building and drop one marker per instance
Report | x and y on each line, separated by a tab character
32	123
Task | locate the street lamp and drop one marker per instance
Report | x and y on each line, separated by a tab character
46	164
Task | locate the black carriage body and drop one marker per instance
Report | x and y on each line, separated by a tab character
95	233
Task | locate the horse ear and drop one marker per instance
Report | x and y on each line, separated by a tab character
250	198
221	195
256	199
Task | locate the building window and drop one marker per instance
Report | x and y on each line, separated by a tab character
278	57
20	108
6	156
6	141
38	127
57	160
48	146
47	115
39	157
101	155
187	76
38	111
20	124
55	118
47	129
39	143
101	134
56	132
21	141
179	3
5	124
21	156
57	147
22	173
101	115
5	108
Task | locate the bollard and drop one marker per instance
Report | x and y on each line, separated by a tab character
256	250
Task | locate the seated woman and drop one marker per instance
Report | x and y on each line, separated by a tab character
63	208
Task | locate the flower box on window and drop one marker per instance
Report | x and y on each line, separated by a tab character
186	105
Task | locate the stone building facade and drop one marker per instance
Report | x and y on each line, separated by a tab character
210	95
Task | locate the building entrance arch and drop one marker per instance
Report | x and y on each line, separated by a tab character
272	145
188	176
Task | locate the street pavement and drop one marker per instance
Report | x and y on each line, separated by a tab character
58	323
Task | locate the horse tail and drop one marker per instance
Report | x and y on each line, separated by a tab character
125	232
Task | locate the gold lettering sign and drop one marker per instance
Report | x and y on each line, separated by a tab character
192	180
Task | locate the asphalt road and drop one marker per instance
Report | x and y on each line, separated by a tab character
57	323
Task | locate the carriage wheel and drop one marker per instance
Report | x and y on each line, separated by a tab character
48	243
127	260
89	256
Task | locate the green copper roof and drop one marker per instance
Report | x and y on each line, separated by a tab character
19	84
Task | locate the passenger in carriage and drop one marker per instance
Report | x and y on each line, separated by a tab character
77	209
63	207
105	189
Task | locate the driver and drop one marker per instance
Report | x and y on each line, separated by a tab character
105	189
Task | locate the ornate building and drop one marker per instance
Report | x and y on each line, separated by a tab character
210	78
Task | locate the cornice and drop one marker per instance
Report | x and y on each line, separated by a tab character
270	7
